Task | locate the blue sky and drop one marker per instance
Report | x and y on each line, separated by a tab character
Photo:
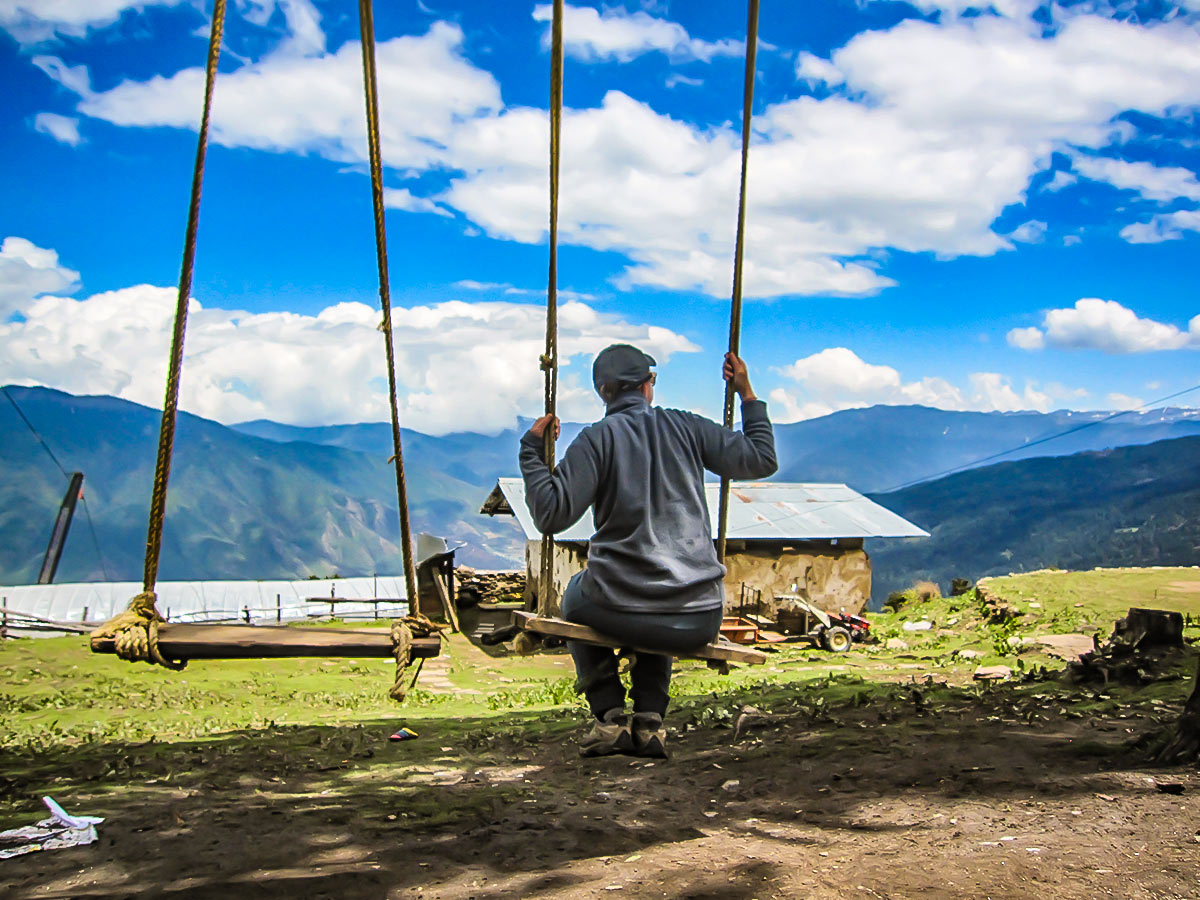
974	208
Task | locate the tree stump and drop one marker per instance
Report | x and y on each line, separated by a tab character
1184	744
1142	628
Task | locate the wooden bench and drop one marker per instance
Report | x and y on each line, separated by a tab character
720	651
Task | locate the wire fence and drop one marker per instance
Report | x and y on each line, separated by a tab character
19	623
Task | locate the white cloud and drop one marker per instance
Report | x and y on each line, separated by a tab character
403	198
73	78
1060	180
836	378
36	21
938	129
817	70
1106	325
1009	8
28	271
1124	401
315	105
62	128
1027	338
459	365
469	284
1161	183
955	122
619	35
675	79
993	392
1031	232
1163	227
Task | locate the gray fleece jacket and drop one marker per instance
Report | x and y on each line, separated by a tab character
641	469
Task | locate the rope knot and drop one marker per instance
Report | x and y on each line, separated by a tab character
547	362
403	632
135	632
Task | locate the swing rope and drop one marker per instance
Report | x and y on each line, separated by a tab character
549	359
370	85
135	631
735	315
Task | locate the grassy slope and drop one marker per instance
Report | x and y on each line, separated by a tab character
1130	506
72	723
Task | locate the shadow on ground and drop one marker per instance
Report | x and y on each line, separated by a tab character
503	806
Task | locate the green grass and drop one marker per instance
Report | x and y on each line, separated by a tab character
83	726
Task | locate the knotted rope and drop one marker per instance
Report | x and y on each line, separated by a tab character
403	632
735	315
135	631
549	360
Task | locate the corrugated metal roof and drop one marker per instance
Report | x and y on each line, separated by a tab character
758	510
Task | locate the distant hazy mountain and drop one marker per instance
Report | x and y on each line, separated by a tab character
239	506
1132	506
263	500
886	447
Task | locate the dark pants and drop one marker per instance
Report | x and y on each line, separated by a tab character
596	667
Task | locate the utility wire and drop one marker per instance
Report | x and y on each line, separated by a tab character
1042	440
34	431
87	511
970	465
95	540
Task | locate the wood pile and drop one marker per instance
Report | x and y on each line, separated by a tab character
489	587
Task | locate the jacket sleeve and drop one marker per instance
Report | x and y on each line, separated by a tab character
747	454
558	499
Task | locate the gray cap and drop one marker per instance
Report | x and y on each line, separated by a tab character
621	364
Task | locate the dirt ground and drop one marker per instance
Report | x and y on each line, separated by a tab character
974	797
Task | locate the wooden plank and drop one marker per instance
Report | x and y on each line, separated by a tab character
721	651
270	642
439	585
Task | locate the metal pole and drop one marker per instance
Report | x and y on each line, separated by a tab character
3	619
278	609
62	525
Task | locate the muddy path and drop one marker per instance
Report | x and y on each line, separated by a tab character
968	797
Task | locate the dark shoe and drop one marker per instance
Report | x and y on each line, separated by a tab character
608	736
649	736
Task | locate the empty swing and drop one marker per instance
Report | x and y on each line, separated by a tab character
140	632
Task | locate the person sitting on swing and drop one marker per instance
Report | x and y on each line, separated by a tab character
652	575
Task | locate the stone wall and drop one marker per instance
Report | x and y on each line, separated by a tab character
835	578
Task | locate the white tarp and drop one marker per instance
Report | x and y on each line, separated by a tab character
201	601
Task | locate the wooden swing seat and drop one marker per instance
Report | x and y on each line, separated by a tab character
273	642
720	650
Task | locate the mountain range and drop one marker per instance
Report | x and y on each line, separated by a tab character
1128	506
265	500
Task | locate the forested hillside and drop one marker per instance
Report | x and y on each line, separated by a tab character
264	500
1131	506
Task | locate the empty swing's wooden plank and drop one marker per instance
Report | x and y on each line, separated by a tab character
721	651
271	642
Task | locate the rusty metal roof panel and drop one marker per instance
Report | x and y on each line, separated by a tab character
763	510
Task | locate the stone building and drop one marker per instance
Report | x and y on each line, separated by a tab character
802	540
